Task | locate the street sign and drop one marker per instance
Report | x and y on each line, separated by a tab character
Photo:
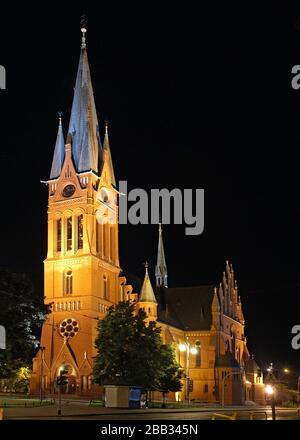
2	338
62	379
191	385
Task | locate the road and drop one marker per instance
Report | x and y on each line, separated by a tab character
80	411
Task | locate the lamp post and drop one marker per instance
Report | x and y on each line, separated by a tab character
271	392
186	347
42	372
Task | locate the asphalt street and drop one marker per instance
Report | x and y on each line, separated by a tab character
82	411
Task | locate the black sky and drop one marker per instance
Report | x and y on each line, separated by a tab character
195	99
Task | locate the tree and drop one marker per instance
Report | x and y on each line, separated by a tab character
172	372
22	313
17	382
131	352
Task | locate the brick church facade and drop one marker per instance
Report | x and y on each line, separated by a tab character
83	278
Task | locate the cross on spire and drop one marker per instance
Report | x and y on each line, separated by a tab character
83	31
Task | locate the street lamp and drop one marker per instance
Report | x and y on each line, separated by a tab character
270	391
186	347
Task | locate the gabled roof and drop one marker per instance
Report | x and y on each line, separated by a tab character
251	366
227	360
188	308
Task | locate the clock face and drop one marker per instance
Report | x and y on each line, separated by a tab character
68	190
106	212
104	197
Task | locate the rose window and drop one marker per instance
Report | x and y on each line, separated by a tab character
68	328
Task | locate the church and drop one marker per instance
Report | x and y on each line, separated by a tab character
83	278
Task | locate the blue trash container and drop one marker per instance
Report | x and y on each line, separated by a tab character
135	397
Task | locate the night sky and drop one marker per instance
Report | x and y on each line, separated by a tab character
195	99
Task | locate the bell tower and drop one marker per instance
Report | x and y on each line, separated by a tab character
81	271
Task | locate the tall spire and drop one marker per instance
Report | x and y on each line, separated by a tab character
107	155
161	272
147	294
83	127
59	151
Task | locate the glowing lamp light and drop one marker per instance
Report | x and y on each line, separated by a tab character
182	347
194	350
286	370
269	390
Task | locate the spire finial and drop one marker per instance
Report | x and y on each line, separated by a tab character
83	30
106	122
60	113
146	264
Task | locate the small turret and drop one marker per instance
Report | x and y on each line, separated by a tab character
59	151
147	300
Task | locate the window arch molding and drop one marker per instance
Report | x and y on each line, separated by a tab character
79	219
198	354
68	281
105	286
68	227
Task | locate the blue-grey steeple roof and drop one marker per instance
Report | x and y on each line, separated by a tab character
161	271
59	153
83	127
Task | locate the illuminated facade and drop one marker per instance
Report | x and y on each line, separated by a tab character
82	277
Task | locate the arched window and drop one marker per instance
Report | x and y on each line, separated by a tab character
105	240
105	286
80	231
227	346
233	343
84	383
198	354
112	243
69	233
58	235
68	281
